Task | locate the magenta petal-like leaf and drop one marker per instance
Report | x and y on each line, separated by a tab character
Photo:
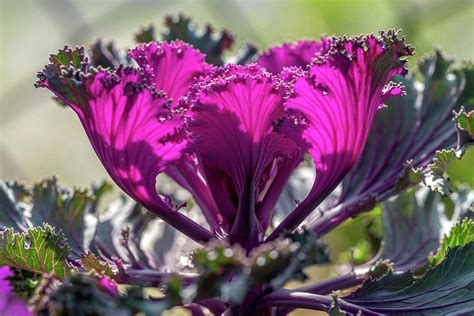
9	303
5	287
298	54
333	106
174	66
130	127
231	123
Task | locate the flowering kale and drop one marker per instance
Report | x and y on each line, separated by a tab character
233	135
9	303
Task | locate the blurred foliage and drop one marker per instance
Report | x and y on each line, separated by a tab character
357	240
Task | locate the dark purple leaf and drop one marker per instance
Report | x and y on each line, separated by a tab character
74	212
446	288
12	200
106	55
412	228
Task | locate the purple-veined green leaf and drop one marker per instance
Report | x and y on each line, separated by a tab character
125	230
39	250
460	234
92	263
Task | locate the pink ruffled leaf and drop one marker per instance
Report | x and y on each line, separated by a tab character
332	108
174	66
231	122
298	54
131	128
128	124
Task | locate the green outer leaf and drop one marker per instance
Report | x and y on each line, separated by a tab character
92	263
466	122
106	55
467	97
445	288
25	283
64	74
409	177
459	235
212	44
146	34
435	178
39	250
335	309
463	199
412	228
465	128
74	212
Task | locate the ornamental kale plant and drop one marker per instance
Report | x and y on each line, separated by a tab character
276	148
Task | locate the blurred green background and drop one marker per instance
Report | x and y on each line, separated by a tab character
38	139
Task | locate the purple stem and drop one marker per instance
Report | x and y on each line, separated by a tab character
245	228
183	224
296	299
338	283
190	180
299	214
334	217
